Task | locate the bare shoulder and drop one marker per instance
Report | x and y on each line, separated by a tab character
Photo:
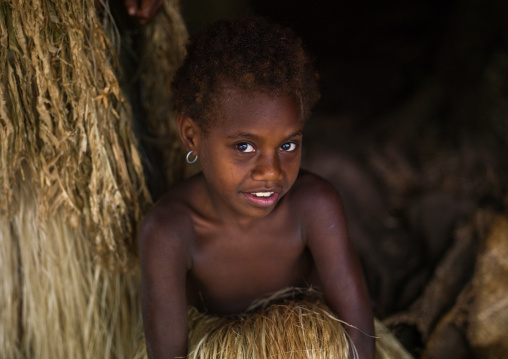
167	230
319	207
313	193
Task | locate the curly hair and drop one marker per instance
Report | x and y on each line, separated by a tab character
251	54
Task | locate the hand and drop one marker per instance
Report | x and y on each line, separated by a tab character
143	10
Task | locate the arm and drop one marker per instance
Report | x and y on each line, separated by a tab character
164	262
338	267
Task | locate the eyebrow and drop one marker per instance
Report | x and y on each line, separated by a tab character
254	137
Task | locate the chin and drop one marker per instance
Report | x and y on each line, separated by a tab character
262	212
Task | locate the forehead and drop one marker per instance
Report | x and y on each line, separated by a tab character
241	111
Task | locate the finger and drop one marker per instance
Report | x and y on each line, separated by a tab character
131	6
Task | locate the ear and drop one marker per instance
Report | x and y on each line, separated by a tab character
189	133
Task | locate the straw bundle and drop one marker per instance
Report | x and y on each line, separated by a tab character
292	329
64	123
488	317
284	325
64	304
164	41
71	185
10	293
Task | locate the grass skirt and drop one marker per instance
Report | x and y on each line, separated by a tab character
284	326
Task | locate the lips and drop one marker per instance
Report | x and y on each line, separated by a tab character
262	198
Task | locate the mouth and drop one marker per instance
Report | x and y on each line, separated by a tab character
262	199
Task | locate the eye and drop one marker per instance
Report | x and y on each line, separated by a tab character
245	147
288	147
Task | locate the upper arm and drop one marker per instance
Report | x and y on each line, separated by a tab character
328	240
164	259
340	273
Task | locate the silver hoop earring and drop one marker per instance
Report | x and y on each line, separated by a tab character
187	158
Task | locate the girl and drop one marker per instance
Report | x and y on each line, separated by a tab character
251	223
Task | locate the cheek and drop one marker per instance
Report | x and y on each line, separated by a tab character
219	170
292	169
293	163
209	157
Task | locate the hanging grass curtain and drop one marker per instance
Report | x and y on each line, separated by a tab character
72	188
65	125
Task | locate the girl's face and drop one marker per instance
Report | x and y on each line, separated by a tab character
251	156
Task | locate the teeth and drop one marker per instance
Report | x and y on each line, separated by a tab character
262	194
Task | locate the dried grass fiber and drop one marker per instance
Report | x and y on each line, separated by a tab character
65	124
10	292
64	304
488	317
71	185
291	329
164	41
278	327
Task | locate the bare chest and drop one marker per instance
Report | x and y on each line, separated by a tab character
231	269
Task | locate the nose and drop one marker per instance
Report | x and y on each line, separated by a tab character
267	168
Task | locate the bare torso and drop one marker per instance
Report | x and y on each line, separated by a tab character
233	265
222	263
